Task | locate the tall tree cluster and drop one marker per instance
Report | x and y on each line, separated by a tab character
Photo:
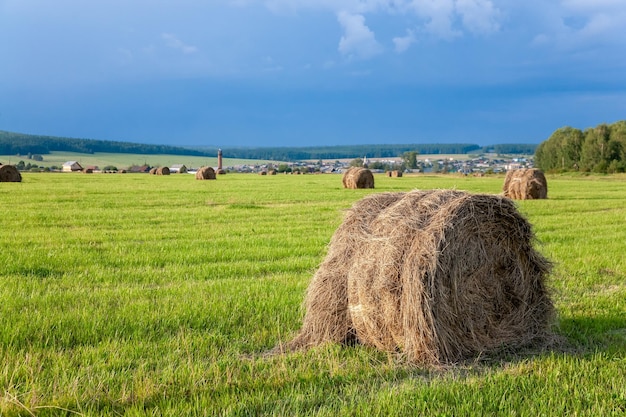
599	149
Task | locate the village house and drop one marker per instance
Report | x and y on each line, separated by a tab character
71	166
178	169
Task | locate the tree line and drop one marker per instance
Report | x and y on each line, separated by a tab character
346	151
24	144
599	149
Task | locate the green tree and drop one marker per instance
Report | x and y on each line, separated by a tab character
357	162
410	159
595	152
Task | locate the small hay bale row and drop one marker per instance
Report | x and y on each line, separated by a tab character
205	173
438	276
525	184
357	177
9	173
394	174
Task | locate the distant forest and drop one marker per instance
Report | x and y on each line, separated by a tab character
24	144
600	149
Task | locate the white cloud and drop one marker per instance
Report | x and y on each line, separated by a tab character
173	42
438	16
478	16
358	40
403	43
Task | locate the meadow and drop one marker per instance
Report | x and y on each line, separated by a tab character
143	295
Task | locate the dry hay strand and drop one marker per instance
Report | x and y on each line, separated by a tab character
153	171
163	171
525	184
205	173
438	276
9	173
357	177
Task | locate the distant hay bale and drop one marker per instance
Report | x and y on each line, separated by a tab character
121	171
220	171
205	173
163	171
396	174
437	276
9	173
153	171
525	184
357	177
271	172
88	171
262	172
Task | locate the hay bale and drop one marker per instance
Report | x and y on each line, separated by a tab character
439	276
163	171
153	171
525	184
271	172
9	173
220	171
88	170
357	177
396	174
205	173
262	172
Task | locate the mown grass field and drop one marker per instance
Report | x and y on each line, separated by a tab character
144	295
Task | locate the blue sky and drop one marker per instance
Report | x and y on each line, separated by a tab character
311	72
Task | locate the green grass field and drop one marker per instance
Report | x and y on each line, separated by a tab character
143	295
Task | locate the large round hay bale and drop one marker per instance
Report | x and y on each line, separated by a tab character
357	177
153	171
205	173
525	184
396	174
439	276
9	173
163	171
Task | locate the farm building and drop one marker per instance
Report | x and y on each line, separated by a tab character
72	166
139	168
178	169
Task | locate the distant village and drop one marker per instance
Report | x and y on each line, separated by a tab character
467	165
488	164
